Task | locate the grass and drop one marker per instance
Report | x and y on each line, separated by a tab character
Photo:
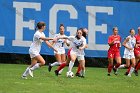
96	81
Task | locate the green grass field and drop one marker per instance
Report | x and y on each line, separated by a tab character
96	81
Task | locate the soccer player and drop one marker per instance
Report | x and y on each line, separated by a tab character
129	44
77	51
59	45
35	48
137	52
82	64
114	41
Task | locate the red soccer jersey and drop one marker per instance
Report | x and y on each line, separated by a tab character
116	44
137	41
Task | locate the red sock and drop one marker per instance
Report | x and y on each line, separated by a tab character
138	66
79	69
128	70
117	65
61	66
110	68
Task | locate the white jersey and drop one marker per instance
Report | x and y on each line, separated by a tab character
76	43
131	43
36	44
59	45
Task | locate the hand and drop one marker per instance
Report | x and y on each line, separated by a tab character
81	48
55	39
55	50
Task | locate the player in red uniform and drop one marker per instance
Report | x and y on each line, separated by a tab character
137	52
114	41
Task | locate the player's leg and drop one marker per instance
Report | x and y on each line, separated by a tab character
118	62
63	59
71	64
57	63
110	61
36	65
62	66
132	66
127	60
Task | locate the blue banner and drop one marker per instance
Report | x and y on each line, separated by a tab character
19	17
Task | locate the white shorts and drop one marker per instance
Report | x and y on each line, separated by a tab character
81	57
33	53
60	51
126	56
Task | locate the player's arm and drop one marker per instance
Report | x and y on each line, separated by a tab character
124	44
84	45
46	38
50	45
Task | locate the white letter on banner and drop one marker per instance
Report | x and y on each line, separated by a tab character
92	27
20	24
53	17
2	40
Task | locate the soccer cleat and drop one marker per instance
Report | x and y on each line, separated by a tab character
31	72
115	71
136	73
126	73
78	75
49	67
56	72
23	77
82	76
108	74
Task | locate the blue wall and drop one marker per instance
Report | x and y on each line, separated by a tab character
18	19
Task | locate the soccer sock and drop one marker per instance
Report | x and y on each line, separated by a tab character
78	69
35	66
128	70
26	72
55	64
131	70
83	72
122	66
61	66
138	66
60	71
71	64
117	65
110	68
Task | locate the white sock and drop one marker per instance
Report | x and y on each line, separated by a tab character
60	71
55	64
26	72
83	72
122	66
131	70
35	66
71	64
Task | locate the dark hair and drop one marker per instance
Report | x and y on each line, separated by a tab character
61	25
114	28
131	30
40	25
77	31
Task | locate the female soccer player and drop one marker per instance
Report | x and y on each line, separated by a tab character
137	52
129	44
35	48
114	41
78	73
77	51
59	45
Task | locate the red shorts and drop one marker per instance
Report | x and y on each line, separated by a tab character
113	54
136	52
68	54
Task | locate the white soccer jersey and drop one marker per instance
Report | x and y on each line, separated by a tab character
131	43
76	43
59	45
36	44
